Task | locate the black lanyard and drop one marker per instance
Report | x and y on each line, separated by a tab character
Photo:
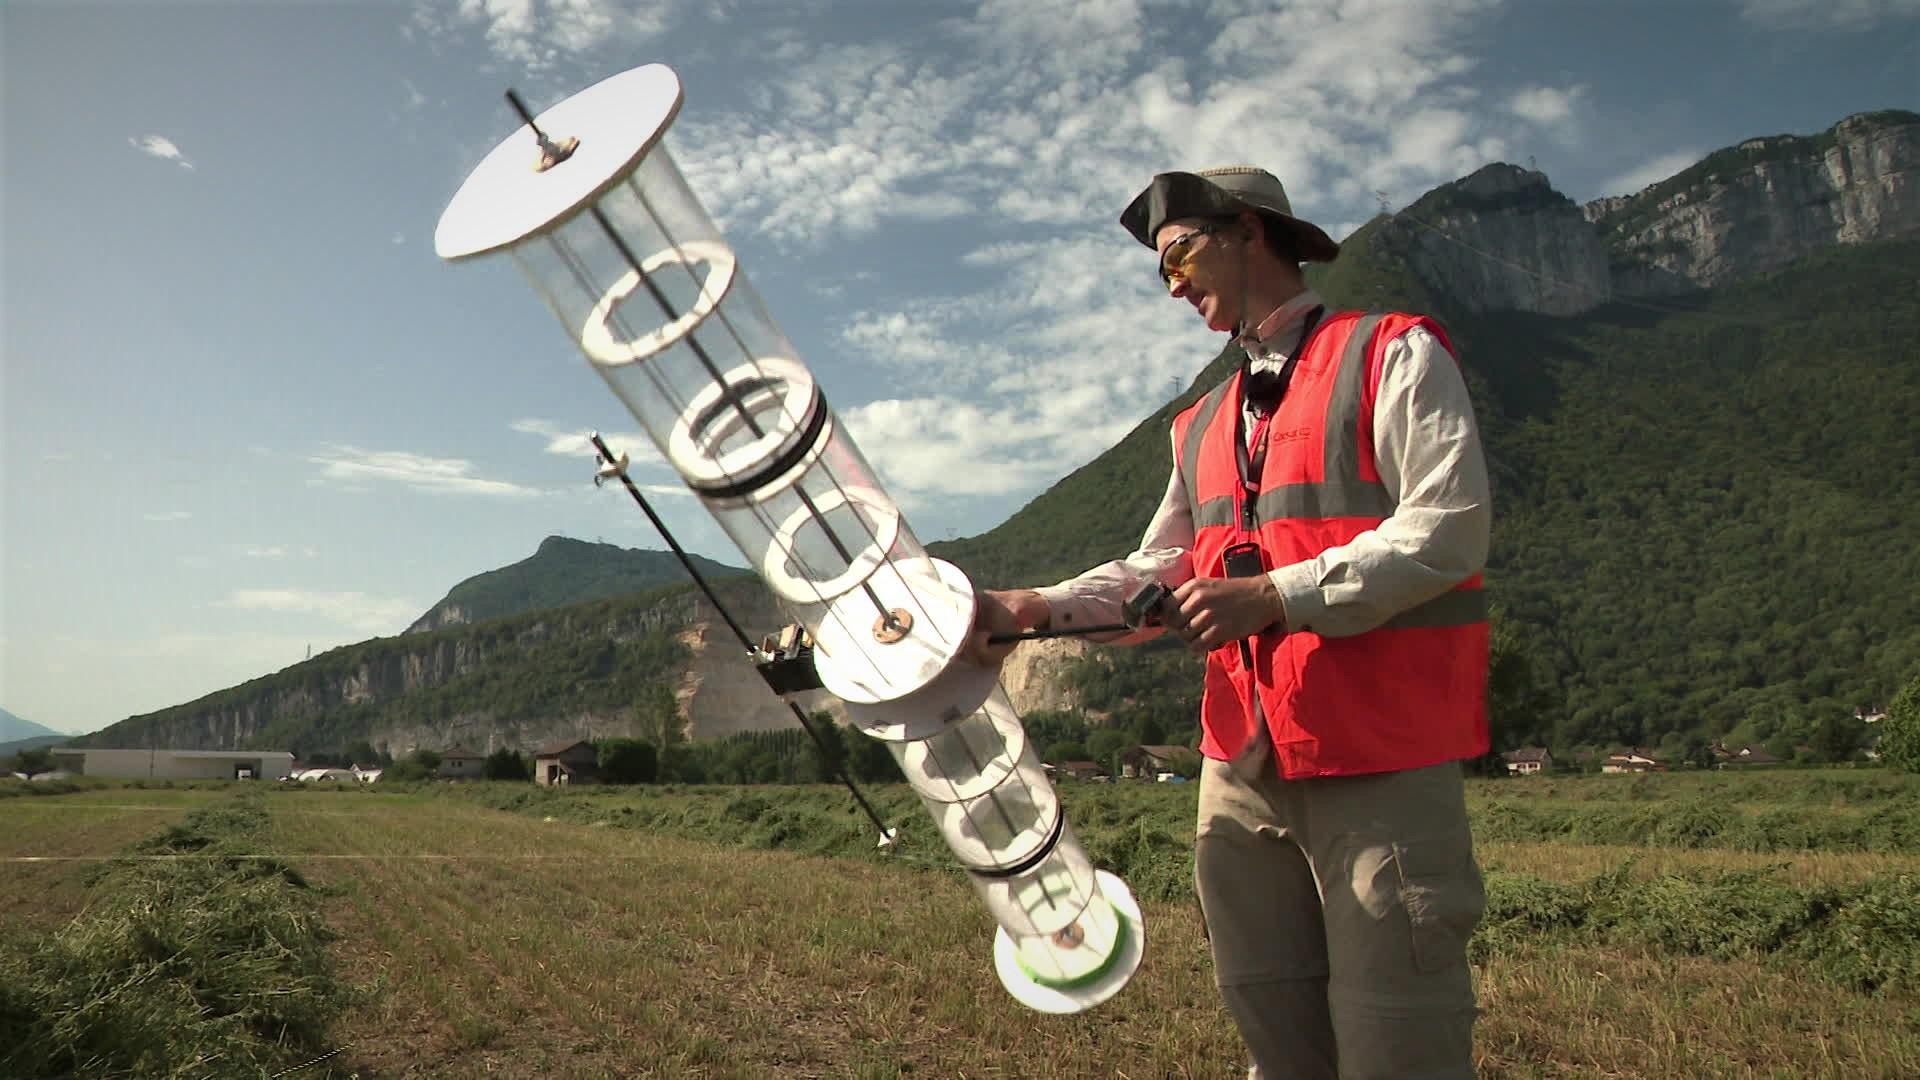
1249	477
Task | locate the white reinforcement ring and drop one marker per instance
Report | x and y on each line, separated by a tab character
596	337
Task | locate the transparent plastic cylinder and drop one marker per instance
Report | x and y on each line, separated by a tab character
983	785
644	283
653	295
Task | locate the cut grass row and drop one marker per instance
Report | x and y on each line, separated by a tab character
1861	933
507	944
197	954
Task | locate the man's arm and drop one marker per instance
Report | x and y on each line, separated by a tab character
1095	598
1427	446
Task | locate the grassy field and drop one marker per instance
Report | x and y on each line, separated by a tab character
52	844
728	932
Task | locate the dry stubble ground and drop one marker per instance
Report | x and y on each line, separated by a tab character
495	944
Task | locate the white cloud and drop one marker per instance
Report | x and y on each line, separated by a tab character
168	515
347	464
1030	123
641	453
574	443
371	615
1547	106
1826	14
534	35
1651	172
277	551
161	147
568	441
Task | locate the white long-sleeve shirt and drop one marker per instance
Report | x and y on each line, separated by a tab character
1427	448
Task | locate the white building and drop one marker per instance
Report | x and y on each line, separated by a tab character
176	764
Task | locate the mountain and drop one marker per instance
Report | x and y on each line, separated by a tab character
1697	403
1503	240
588	670
562	571
14	728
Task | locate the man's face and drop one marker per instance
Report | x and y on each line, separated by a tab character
1199	264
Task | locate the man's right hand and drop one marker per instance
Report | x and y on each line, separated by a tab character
1004	612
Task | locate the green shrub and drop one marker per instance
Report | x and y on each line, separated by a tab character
1900	731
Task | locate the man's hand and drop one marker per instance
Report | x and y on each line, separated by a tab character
1210	612
1007	612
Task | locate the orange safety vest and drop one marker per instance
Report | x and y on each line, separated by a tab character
1409	693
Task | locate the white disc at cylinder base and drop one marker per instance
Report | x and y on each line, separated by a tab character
505	200
856	667
1116	973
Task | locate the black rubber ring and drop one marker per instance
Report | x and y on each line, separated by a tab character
773	470
1031	861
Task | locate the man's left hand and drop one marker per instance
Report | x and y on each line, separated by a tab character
1210	612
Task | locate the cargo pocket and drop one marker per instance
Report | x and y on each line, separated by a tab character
1441	890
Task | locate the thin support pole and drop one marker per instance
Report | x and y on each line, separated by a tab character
819	740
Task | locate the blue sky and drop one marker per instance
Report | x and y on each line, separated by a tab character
247	411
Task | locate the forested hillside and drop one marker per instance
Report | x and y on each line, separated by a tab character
563	571
1709	519
528	677
1707	508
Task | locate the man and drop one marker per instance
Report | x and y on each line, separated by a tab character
1325	522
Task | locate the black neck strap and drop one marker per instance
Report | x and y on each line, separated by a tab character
1249	482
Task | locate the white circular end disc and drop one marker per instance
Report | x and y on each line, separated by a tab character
951	697
1073	999
505	199
857	668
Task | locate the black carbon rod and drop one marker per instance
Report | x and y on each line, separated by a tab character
746	643
1030	635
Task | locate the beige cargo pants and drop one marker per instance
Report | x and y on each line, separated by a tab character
1339	910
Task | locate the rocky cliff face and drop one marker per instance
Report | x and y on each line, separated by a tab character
1756	207
1033	674
439	617
719	691
1503	240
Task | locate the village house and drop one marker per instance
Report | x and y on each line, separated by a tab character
1528	761
570	761
1077	770
1749	755
1148	762
460	763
